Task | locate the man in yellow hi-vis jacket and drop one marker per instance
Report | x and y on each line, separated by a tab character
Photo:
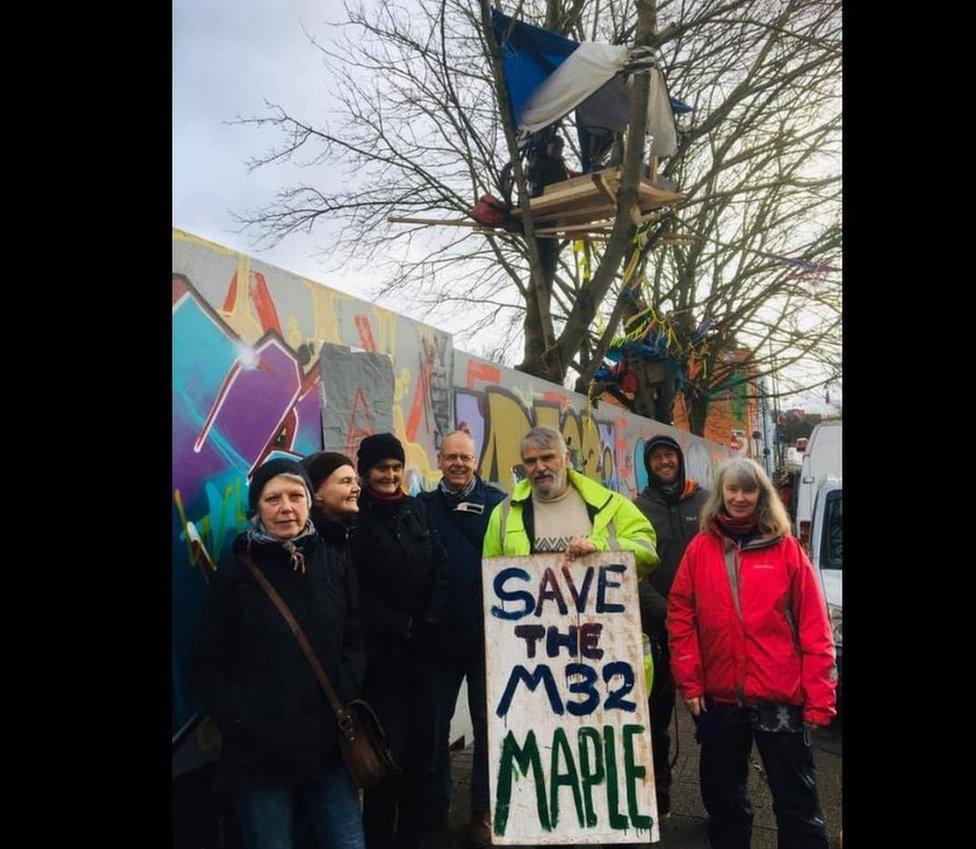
557	509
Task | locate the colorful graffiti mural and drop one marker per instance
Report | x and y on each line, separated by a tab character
266	363
234	406
497	405
255	358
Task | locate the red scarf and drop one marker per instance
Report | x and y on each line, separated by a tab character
729	526
386	499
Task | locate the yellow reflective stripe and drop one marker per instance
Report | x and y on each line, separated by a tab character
612	535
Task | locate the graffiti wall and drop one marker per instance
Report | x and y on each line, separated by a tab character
497	405
267	363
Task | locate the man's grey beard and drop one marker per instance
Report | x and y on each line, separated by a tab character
555	489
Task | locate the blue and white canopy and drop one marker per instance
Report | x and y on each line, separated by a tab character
548	76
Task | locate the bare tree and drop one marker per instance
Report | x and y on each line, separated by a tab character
420	131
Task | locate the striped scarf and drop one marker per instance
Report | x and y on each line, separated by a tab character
257	533
458	493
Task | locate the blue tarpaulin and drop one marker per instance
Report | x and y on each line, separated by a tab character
529	56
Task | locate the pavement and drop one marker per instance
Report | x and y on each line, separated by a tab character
685	828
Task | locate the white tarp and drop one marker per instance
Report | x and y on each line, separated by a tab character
592	69
589	67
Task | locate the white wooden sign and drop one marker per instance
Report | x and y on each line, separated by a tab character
569	745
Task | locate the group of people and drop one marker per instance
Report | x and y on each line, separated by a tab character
387	589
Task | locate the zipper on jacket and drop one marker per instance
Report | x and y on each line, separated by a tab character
732	562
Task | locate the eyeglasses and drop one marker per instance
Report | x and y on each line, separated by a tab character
452	458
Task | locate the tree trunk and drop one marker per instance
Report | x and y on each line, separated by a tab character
584	310
666	393
697	407
534	343
538	319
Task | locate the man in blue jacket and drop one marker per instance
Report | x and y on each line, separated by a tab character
459	509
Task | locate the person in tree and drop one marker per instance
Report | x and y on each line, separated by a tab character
546	167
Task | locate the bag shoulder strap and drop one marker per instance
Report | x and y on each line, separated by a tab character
341	713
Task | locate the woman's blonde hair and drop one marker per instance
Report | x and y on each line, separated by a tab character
741	471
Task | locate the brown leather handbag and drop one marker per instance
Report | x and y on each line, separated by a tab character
363	743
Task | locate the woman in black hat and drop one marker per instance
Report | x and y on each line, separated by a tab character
335	497
280	745
403	579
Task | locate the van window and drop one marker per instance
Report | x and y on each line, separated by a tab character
832	544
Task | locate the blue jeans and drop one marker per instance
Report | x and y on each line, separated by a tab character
266	816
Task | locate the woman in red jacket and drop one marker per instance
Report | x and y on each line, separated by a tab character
753	657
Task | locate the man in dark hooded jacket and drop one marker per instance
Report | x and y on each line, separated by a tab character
672	502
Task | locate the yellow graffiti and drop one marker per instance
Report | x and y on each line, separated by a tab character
294	334
586	437
385	330
203	537
401	386
508	420
324	310
414	454
549	417
192	554
506	423
190	239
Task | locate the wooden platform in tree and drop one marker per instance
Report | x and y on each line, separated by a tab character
583	207
592	198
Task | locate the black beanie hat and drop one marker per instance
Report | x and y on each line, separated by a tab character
273	468
379	446
663	441
322	464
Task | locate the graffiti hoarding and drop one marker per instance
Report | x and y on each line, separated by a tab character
497	405
267	363
255	351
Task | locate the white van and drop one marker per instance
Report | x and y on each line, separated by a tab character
826	553
822	457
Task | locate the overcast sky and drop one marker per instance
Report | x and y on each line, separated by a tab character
228	57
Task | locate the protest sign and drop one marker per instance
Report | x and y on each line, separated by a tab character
569	746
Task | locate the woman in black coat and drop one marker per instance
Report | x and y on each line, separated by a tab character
405	591
279	735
